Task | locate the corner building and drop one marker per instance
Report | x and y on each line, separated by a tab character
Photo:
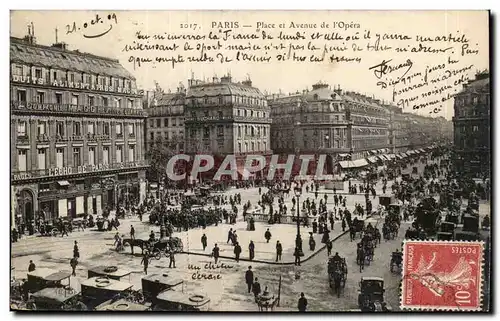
76	133
472	127
224	117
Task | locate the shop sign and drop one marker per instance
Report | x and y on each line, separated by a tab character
88	168
72	85
62	171
20	176
68	108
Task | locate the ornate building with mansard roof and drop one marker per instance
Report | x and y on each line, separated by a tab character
224	117
76	133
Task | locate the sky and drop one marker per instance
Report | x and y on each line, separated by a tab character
272	77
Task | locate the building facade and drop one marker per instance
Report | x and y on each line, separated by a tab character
471	123
347	125
166	119
76	133
342	125
224	117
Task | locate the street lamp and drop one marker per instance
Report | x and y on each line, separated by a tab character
298	240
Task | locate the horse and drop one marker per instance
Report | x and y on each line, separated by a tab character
135	242
337	280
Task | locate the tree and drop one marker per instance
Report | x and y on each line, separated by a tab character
159	153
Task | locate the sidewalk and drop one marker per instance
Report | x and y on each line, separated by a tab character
264	252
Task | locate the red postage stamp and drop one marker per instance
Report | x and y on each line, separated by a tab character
441	275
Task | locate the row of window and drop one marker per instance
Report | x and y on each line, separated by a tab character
227	100
61	126
77	157
369	143
55	97
252	147
167	135
463	100
49	76
312	107
166	122
236	112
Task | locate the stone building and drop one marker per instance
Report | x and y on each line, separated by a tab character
166	118
76	132
343	125
471	125
225	117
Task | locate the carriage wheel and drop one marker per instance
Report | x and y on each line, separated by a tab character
157	254
54	232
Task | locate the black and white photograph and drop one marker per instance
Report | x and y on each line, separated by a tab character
250	161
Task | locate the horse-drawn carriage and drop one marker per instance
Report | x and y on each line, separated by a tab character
357	226
337	273
165	246
396	261
49	229
371	295
102	224
364	254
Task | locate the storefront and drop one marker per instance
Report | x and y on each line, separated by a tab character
73	195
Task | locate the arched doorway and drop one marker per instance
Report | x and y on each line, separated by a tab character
25	208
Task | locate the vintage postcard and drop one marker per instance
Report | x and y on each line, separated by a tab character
273	161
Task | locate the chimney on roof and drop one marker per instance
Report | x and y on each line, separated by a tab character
338	91
226	79
215	79
30	37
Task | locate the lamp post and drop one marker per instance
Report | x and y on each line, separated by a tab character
298	240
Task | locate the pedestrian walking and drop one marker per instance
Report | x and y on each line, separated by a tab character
296	254
237	252
267	235
256	288
132	232
332	223
73	262
329	247
302	304
204	242
145	261
343	225
251	250
279	251
76	251
229	235
249	278
215	253
172	259
64	230
31	267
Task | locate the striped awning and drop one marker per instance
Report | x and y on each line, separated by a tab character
353	164
372	159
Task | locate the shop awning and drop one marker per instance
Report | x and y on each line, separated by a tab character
399	156
63	183
391	156
372	159
422	150
380	150
411	152
385	157
353	164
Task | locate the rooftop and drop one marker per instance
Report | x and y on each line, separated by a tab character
58	57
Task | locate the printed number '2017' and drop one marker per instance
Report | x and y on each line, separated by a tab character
189	26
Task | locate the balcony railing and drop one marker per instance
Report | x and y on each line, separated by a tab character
205	119
23	139
42	138
71	170
30	107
